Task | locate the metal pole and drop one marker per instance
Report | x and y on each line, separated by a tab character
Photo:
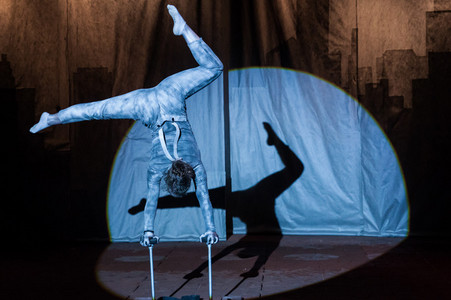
210	287
152	287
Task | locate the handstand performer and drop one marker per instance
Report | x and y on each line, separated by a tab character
162	109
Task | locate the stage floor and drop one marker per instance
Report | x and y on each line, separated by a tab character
286	267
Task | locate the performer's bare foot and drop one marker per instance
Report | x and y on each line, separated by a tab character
179	22
45	121
42	124
272	137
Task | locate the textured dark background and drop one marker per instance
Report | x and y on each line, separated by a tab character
392	55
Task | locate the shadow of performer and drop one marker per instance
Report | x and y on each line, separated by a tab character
256	208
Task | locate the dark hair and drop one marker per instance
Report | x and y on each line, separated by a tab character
178	178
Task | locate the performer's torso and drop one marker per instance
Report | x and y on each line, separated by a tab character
187	148
161	105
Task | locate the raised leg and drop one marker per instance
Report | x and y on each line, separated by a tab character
210	67
126	106
180	27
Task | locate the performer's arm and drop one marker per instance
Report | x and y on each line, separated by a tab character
151	207
205	205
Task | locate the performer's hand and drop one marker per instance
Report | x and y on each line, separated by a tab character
210	237
146	237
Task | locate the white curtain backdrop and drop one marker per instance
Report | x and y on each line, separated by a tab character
352	183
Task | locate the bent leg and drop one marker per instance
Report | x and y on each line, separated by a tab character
190	81
204	56
210	66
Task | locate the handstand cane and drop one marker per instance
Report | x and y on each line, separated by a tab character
153	241
210	287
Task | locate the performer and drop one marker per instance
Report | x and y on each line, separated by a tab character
162	109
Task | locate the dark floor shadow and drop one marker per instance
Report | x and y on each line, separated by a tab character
254	207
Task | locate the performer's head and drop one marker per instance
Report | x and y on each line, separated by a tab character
178	178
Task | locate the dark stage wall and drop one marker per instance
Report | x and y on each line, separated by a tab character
393	56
